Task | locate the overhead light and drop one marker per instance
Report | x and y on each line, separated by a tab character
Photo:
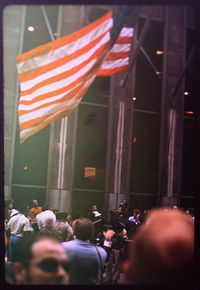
158	73
189	112
186	93
31	28
159	52
134	99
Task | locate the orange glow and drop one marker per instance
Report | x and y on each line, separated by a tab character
158	73
189	112
159	52
90	172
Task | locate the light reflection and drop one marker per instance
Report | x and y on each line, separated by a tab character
31	28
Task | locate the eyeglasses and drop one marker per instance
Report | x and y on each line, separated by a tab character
50	265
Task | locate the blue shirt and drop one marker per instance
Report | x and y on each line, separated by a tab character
85	265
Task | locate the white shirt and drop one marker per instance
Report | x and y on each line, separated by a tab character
96	213
45	218
19	224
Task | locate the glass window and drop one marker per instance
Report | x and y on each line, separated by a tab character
99	91
148	83
25	195
31	157
95	13
91	147
30	162
187	159
36	32
189	94
83	200
145	153
141	202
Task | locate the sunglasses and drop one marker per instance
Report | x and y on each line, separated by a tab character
50	265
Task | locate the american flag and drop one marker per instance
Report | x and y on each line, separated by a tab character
117	59
54	77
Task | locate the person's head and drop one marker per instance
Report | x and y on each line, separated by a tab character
41	259
94	207
136	213
8	208
174	207
83	229
162	250
35	203
120	210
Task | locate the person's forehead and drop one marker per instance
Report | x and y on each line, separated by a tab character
48	248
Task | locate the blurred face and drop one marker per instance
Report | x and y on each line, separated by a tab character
49	264
35	202
119	210
8	211
94	208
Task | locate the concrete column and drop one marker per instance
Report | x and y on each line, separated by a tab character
119	144
63	131
172	107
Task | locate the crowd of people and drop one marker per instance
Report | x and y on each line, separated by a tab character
46	246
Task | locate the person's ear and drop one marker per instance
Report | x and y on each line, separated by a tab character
19	272
127	269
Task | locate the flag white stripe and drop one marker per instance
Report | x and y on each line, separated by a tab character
127	31
44	111
23	107
109	64
26	132
121	47
52	87
72	103
64	68
65	50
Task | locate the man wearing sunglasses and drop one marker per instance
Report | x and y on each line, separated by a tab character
41	260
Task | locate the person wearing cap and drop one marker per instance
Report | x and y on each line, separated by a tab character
18	225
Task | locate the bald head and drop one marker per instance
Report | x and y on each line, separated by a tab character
162	250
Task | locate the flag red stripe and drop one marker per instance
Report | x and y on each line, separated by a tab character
26	76
107	72
63	75
44	49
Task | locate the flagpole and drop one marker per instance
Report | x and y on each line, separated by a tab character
120	126
150	61
47	23
139	44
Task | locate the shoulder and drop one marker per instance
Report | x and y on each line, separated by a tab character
101	250
69	244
